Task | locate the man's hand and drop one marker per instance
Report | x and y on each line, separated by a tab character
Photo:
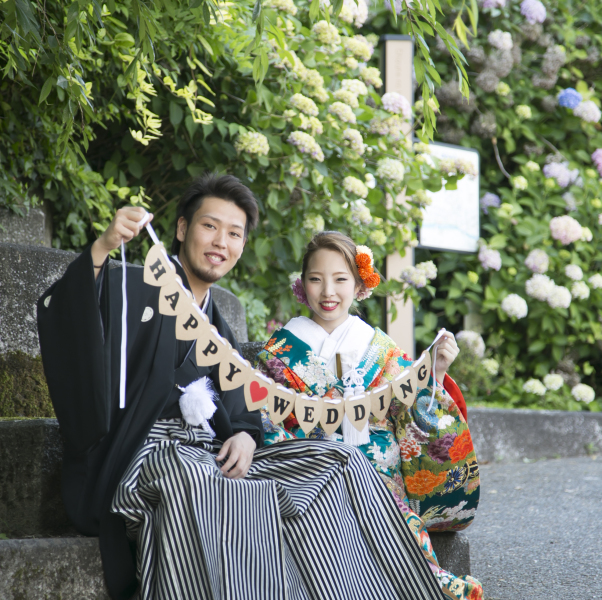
239	450
447	351
124	226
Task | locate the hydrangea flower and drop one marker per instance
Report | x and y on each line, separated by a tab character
534	386
500	39
371	76
428	268
573	272
489	200
493	3
490	259
390	168
414	277
588	112
579	290
520	183
354	186
397	104
296	169
583	393
354	140
359	46
306	144
565	229
252	143
553	381
533	11
312	124
515	306
569	98
490	366
560	297
597	158
347	97
472	342
326	33
570	202
586	234
287	6
561	173
355	86
537	261
360	213
378	237
343	112
502	89
354	13
596	281
351	63
305	105
313	223
523	111
539	287
370	181
532	166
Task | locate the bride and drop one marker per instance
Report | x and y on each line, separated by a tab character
424	454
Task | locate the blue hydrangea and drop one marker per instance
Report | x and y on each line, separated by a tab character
569	98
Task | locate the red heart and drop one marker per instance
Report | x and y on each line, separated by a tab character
258	392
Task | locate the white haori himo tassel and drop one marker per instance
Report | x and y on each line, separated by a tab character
352	436
197	403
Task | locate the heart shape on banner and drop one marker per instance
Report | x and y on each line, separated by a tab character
158	269
257	390
423	369
234	371
212	348
405	386
381	400
172	298
281	403
333	411
357	409
308	411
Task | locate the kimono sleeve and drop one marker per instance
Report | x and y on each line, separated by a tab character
73	324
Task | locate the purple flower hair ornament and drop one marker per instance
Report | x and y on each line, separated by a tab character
299	292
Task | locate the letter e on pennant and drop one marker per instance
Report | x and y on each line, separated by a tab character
308	411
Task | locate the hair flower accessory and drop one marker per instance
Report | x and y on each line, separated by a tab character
364	259
299	292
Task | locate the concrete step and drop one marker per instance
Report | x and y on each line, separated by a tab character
70	568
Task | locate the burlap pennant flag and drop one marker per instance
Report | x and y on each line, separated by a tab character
381	400
158	269
333	412
308	411
357	409
281	403
257	390
234	371
405	386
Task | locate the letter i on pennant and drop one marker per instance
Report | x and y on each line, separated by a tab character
381	400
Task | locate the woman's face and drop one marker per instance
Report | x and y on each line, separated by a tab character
330	288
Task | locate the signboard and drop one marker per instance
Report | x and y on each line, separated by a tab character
451	222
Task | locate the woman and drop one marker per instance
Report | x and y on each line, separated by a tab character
425	451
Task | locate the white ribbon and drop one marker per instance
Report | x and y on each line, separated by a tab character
439	336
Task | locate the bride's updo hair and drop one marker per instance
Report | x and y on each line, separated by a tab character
337	242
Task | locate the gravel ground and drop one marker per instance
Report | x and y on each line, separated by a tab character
537	533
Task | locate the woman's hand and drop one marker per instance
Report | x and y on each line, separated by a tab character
239	451
447	350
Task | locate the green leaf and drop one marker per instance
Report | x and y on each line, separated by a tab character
176	114
46	88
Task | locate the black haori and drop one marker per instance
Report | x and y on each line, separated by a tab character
311	520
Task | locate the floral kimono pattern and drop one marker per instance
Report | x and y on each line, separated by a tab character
425	456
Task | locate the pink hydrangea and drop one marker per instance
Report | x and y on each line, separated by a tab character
565	229
561	173
537	261
533	10
597	158
397	104
490	259
493	3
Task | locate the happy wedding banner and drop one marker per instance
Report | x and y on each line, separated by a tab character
234	371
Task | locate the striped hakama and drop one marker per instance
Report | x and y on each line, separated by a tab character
312	520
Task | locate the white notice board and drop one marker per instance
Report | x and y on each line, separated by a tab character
451	222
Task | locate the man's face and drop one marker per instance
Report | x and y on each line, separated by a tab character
214	240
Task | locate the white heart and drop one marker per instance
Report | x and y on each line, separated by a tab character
147	315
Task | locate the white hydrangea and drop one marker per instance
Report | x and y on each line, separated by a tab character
553	381
588	111
490	259
560	297
296	169
354	140
596	281
326	33
359	46
515	306
520	183
523	111
313	124
305	105
343	112
306	144
351	63
347	97
414	277
319	93
314	223
534	386
355	86
287	6
583	393
500	39
586	234
490	366
354	13
565	229
370	181
472	342
390	168
354	186
573	272
532	166
579	290
371	76
252	143
397	104
378	237
428	268
537	261
539	287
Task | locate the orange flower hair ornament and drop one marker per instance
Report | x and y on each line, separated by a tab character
365	265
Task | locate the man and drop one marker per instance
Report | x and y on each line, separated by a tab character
206	516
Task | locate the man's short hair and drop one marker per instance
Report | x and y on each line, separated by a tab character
226	187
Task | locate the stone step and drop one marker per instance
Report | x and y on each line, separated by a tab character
70	568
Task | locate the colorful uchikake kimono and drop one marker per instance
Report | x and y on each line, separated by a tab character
424	454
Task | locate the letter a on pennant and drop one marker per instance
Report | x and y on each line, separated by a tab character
357	409
381	400
212	348
281	403
233	371
158	269
173	300
308	411
333	412
405	386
